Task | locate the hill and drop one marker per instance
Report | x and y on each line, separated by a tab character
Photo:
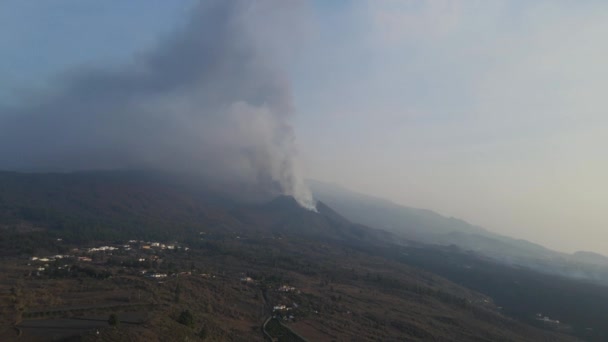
429	227
171	245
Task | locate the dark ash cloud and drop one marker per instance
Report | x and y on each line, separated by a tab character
208	99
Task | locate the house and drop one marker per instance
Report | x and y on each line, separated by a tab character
247	280
102	249
279	308
549	320
157	275
286	288
546	319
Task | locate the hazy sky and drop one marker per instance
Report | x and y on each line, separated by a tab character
490	111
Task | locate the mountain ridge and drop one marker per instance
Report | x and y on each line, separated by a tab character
430	227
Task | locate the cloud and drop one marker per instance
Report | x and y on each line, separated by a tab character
209	99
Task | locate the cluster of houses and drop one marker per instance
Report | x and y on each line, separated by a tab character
283	312
51	258
87	254
145	245
102	249
127	247
43	262
546	319
158	245
287	288
156	275
281	307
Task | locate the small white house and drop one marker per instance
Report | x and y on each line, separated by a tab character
158	275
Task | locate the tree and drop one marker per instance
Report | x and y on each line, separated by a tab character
113	320
186	318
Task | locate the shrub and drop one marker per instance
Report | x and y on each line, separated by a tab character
186	319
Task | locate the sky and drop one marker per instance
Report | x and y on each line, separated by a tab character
489	111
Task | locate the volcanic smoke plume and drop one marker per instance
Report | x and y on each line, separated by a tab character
207	99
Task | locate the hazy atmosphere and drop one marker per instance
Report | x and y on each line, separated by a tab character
489	111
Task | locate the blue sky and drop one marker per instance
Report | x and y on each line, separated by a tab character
492	111
40	39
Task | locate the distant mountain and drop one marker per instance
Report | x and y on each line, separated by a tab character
419	224
429	227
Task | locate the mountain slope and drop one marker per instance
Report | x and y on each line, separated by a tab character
419	224
429	227
362	282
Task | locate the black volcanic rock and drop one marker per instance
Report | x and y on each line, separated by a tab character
283	203
284	215
331	214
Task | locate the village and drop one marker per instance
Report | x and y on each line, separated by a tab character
146	259
138	256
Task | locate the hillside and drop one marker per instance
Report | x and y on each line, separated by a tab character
230	259
429	227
